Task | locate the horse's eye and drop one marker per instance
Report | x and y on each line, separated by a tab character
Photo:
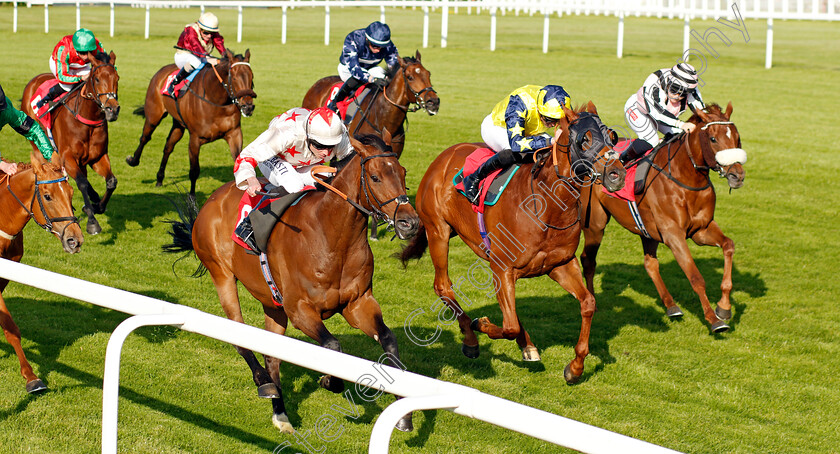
375	178
713	139
409	77
47	197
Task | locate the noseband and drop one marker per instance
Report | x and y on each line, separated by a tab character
378	213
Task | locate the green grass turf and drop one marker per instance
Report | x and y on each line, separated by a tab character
770	385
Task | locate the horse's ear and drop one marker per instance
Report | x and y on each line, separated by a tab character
401	61
358	146
113	57
728	112
228	54
248	54
37	159
417	55
571	115
386	136
590	107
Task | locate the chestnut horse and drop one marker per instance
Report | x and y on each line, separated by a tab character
211	109
46	184
408	91
678	203
318	256
80	130
535	228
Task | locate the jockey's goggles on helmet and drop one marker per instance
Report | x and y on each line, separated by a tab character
550	122
320	146
676	89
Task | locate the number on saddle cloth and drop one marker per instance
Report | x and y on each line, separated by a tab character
349	107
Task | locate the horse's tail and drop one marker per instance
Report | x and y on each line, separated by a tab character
181	231
415	248
141	111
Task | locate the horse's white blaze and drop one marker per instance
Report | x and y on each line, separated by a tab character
728	133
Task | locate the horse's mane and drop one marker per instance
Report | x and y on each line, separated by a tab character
103	57
409	60
365	139
709	109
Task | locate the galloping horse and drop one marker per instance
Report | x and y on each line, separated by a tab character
212	109
678	203
47	184
80	130
535	228
410	90
318	256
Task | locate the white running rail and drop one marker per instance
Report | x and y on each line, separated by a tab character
420	392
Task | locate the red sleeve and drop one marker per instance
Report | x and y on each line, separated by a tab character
219	42
189	41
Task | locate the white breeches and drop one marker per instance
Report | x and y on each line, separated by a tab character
495	137
282	174
187	60
73	71
642	124
377	72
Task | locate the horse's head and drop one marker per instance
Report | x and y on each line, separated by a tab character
54	210
590	150
418	83
383	184
101	85
720	143
240	81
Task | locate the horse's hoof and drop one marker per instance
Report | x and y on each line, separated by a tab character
93	228
331	383
571	378
470	351
723	314
674	312
405	424
720	327
268	391
35	386
158	184
373	238
530	353
281	422
131	161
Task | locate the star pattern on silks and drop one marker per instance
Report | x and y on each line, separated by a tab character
516	130
304	163
293	116
521	113
292	151
524	144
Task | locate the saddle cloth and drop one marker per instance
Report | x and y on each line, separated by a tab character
264	212
44	115
180	89
347	108
491	188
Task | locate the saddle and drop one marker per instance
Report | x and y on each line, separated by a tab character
180	89
638	169
44	115
349	107
492	186
267	210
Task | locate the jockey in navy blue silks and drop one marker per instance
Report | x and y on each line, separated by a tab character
358	64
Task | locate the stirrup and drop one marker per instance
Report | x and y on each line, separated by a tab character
245	232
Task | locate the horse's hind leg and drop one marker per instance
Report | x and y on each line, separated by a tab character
511	325
79	174
366	315
569	277
308	320
713	236
12	332
103	168
175	134
276	322
652	267
154	113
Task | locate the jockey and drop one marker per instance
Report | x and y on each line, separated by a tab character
25	126
194	46
518	124
358	64
70	62
657	106
295	141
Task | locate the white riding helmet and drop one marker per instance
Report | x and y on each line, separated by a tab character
324	126
209	22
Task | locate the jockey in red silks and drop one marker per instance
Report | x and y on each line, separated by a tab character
70	62
194	46
293	144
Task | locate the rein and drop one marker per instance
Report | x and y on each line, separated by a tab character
48	224
234	97
93	96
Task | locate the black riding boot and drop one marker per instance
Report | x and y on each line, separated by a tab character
636	149
350	85
500	160
182	74
54	92
245	232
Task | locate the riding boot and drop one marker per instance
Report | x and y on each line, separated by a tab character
349	86
636	149
182	74
245	232
54	92
500	160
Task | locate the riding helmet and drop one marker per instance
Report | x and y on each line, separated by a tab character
84	41
378	34
209	22
324	126
551	100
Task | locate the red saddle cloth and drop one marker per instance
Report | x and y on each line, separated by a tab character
343	104
178	88
41	114
471	164
625	193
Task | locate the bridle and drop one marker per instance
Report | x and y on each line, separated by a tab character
95	95
228	86
419	102
36	195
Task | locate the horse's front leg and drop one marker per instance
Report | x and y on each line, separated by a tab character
366	315
103	168
175	134
569	277
234	141
276	322
79	174
195	169
12	332
652	267
308	320
713	236
511	325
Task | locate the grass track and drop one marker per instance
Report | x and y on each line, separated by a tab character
769	386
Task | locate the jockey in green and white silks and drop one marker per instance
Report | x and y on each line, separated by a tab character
25	126
657	105
518	124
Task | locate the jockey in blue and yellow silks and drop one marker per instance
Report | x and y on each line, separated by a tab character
519	124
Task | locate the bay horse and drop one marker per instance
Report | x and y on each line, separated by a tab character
80	130
318	257
46	184
678	203
212	109
535	228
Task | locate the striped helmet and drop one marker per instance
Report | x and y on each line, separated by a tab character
378	34
324	126
551	100
683	76
208	22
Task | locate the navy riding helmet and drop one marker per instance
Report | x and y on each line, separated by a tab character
378	34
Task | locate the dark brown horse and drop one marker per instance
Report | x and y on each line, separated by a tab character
40	192
410	90
318	256
80	130
212	109
534	228
678	203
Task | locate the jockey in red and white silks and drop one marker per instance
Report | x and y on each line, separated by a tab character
294	142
